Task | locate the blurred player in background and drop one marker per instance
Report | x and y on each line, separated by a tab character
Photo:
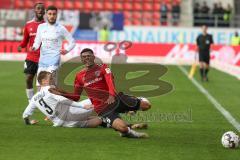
204	42
60	110
235	40
104	34
50	36
31	62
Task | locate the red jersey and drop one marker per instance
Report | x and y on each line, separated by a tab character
29	34
98	84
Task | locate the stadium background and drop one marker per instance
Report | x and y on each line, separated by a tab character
136	21
154	40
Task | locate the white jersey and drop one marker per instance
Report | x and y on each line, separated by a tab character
50	38
58	108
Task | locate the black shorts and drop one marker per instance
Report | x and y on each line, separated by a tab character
204	56
30	67
123	103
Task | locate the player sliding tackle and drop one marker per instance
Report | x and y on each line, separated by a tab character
60	110
97	81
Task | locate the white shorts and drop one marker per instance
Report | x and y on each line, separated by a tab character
68	116
51	69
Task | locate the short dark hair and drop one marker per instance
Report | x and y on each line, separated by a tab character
51	8
86	50
35	5
42	75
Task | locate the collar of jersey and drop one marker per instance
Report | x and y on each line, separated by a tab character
45	88
55	24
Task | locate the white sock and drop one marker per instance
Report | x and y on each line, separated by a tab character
132	133
30	93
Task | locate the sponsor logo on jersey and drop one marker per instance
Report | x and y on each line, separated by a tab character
107	70
93	81
97	73
32	34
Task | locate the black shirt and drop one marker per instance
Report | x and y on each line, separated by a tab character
204	42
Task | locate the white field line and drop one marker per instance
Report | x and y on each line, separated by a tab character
215	103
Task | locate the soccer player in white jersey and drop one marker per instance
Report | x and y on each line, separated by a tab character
49	37
60	110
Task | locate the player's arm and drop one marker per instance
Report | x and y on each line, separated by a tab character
75	96
64	100
110	83
57	91
25	39
63	93
197	41
211	40
28	112
87	104
78	88
80	105
37	40
69	102
70	39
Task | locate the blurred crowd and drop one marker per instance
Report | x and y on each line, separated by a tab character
216	15
167	11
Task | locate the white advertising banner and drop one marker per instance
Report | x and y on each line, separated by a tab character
223	57
170	34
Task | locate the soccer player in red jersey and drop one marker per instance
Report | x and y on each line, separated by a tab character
31	62
97	80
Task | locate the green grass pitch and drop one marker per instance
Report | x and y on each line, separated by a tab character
197	139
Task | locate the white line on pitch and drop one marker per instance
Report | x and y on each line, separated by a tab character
215	103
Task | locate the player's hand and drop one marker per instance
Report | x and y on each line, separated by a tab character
33	122
19	49
30	122
30	49
88	107
110	100
63	51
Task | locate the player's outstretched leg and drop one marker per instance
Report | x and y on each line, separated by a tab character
138	126
93	122
144	106
125	131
